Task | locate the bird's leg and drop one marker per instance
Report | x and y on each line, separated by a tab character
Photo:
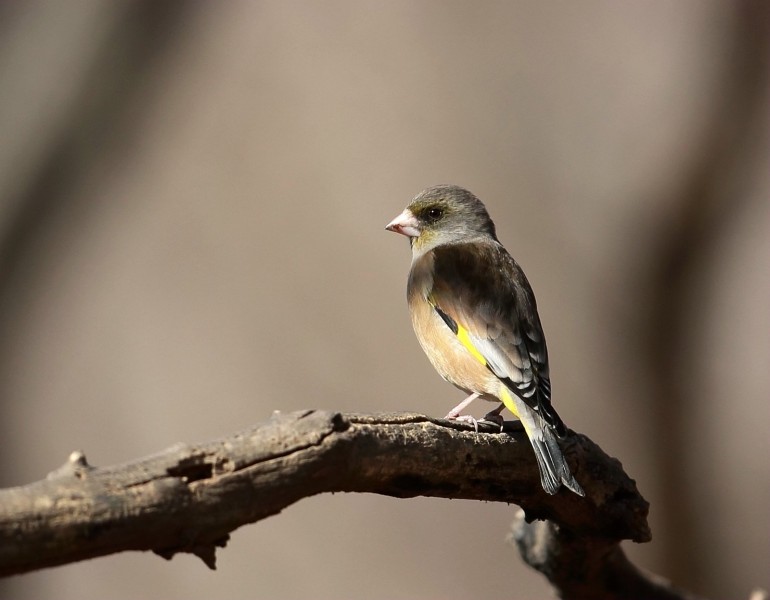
454	414
494	416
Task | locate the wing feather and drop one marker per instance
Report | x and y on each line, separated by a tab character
482	291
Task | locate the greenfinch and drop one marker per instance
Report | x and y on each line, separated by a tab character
475	316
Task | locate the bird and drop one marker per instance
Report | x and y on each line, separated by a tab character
474	314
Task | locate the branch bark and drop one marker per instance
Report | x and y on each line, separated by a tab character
587	567
189	498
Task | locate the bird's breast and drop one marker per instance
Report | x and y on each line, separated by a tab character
446	353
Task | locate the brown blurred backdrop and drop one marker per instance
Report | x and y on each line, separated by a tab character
192	203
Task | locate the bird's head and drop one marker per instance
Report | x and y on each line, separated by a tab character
443	214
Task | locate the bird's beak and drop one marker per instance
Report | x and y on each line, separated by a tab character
405	224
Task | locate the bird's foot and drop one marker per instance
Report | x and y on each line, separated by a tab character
452	416
493	417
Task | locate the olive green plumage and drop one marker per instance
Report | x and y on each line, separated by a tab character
475	316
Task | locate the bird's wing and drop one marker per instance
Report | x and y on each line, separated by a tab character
481	293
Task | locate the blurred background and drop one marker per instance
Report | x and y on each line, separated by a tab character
192	204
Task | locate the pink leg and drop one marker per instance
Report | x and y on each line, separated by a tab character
455	412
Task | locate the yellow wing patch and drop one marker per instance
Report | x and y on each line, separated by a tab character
507	399
505	394
465	340
460	331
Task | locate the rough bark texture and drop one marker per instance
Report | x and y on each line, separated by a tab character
189	498
587	567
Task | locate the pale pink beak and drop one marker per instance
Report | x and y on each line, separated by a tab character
405	224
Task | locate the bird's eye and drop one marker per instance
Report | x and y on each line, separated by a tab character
434	214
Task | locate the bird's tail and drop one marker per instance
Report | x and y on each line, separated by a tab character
554	471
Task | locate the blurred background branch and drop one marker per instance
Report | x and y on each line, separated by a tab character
714	195
78	122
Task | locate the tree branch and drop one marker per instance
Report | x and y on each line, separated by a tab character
587	567
189	498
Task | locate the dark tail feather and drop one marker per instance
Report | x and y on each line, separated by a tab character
551	417
554	471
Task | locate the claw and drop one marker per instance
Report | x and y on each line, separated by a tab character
494	417
464	419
